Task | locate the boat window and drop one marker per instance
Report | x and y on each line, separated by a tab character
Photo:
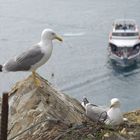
125	34
125	27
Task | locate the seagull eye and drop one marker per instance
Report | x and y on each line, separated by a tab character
53	34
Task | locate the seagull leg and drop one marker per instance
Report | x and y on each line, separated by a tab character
36	80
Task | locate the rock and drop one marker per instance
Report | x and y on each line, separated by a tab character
123	131
51	110
131	133
90	136
114	136
106	135
47	114
133	116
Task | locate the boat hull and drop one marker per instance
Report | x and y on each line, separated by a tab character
124	62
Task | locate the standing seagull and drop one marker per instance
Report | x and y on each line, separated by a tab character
34	57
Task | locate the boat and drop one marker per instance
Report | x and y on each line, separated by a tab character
124	42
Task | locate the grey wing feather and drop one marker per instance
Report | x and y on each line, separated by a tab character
24	61
96	113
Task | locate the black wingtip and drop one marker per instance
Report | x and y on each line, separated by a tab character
0	68
85	100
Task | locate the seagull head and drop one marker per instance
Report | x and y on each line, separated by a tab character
49	34
115	103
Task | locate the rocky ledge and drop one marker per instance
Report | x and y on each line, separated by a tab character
47	114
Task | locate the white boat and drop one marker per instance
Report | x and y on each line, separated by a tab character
124	42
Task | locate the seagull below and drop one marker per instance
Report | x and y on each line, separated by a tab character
115	116
34	57
112	116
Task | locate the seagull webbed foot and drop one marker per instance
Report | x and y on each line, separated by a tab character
36	80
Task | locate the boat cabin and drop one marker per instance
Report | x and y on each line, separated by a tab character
124	38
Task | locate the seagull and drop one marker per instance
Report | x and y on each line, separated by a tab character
94	112
115	116
34	57
112	116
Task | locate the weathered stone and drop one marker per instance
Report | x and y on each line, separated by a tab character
90	136
106	135
123	131
47	114
30	105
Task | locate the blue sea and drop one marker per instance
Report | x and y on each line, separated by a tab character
80	64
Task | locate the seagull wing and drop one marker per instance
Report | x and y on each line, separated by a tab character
25	60
96	113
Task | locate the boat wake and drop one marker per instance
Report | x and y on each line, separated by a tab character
73	34
90	80
125	71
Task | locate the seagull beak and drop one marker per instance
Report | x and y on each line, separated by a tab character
111	106
58	38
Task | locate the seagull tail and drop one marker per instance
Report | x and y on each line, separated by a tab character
1	68
84	102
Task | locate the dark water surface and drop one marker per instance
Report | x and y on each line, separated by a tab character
80	65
